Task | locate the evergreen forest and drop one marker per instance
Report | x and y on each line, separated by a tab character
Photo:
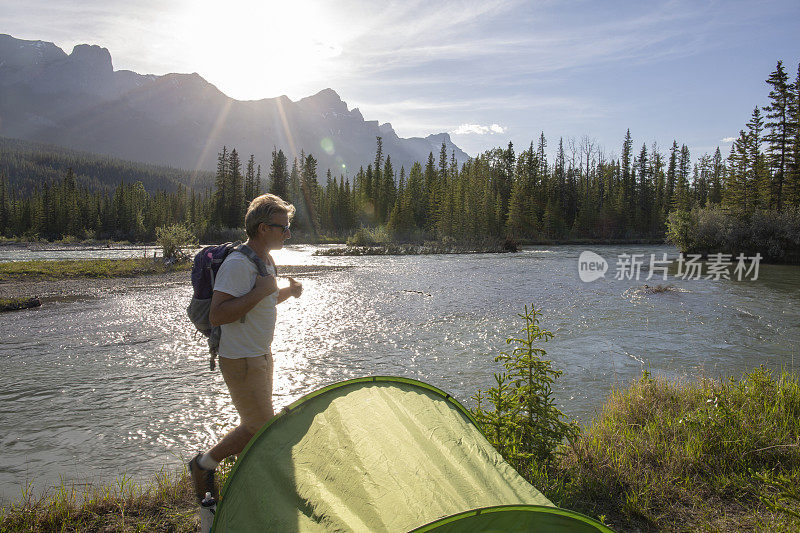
504	193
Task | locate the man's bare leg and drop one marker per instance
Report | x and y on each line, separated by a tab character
231	444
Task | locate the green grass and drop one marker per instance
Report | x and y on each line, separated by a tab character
166	503
84	268
699	456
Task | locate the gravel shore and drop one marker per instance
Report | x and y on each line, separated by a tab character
81	288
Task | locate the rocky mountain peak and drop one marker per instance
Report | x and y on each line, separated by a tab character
19	53
325	101
440	138
92	55
387	130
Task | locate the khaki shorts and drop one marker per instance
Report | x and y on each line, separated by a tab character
249	381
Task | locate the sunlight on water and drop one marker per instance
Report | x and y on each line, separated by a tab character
98	387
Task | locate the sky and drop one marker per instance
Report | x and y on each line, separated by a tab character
488	72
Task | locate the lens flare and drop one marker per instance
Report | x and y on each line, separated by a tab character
327	145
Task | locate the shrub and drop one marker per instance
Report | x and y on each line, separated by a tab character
773	234
173	239
524	424
681	230
369	237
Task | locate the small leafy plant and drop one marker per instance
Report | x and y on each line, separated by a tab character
523	423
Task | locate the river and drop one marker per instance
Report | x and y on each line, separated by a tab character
120	384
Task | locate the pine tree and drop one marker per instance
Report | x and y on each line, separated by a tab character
300	222
235	207
793	177
738	195
221	187
627	180
644	204
717	171
672	166
250	188
659	185
682	197
279	174
378	197
758	175
432	194
700	180
310	193
780	130
505	181
389	188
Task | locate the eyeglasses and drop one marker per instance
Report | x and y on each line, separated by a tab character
284	229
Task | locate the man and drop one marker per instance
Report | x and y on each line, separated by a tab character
243	304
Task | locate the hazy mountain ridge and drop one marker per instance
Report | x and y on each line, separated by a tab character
28	165
77	100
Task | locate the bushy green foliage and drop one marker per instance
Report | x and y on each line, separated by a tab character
523	423
173	239
369	237
774	234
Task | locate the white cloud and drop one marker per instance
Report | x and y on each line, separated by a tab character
467	129
727	139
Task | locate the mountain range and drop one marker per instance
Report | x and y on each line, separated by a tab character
79	101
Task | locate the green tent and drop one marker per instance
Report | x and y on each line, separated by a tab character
381	454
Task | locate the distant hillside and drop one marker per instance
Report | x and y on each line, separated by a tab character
78	100
28	165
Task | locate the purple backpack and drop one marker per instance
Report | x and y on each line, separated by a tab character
204	272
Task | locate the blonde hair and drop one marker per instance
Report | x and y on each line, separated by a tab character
261	210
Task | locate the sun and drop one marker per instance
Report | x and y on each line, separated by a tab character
252	50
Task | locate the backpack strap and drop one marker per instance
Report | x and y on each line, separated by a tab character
260	265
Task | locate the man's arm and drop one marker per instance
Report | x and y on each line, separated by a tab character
295	289
226	308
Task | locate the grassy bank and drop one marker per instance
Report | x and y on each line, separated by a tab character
85	268
165	503
660	456
699	456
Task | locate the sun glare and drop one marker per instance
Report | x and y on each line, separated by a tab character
253	50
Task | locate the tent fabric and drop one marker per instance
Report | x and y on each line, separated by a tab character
502	519
379	454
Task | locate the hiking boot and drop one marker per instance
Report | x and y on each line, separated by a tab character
203	480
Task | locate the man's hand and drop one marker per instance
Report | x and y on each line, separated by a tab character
265	285
295	287
225	308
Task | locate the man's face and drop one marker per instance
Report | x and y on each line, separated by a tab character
275	235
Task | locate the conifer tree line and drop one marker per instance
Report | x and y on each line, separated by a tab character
66	209
501	193
29	165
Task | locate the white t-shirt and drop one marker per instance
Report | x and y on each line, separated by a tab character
251	338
